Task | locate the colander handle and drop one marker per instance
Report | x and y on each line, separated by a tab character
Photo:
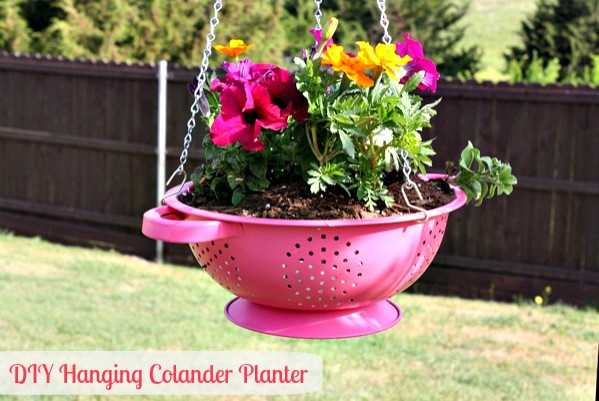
167	224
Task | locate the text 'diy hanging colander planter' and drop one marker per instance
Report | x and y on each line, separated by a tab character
307	278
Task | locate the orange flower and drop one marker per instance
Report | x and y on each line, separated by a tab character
352	67
235	48
385	57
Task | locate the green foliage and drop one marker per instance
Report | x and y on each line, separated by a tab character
15	35
362	125
562	30
364	132
483	176
329	174
174	30
535	71
230	172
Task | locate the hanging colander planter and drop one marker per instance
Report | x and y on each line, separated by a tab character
307	278
330	124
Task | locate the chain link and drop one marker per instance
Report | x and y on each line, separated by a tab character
198	94
318	13
384	21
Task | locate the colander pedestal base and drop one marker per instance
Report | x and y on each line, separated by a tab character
342	323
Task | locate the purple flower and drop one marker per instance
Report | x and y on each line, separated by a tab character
237	73
245	111
413	48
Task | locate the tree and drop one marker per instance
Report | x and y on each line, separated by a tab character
436	24
563	30
432	22
175	30
15	35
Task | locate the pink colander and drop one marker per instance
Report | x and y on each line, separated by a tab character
307	278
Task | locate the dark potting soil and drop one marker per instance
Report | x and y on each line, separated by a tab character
295	201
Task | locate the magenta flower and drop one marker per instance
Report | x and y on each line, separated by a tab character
245	111
318	37
237	73
254	96
282	90
413	48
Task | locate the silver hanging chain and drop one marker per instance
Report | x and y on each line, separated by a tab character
406	169
384	21
318	13
199	97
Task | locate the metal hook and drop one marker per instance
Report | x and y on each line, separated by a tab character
410	185
177	172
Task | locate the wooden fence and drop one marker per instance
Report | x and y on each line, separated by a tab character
78	165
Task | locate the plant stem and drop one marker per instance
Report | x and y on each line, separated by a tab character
313	142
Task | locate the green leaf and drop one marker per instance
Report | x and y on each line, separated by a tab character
347	144
256	184
414	81
258	166
489	177
235	178
238	196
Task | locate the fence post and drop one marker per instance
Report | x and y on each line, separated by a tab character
161	147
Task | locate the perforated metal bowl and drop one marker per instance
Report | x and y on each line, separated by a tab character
335	276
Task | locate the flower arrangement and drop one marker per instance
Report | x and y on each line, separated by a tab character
339	120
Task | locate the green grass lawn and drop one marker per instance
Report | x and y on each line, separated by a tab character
493	26
54	297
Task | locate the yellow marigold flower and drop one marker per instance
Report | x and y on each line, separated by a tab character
385	57
235	48
352	67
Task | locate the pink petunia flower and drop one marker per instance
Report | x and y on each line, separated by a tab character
245	111
413	48
282	90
